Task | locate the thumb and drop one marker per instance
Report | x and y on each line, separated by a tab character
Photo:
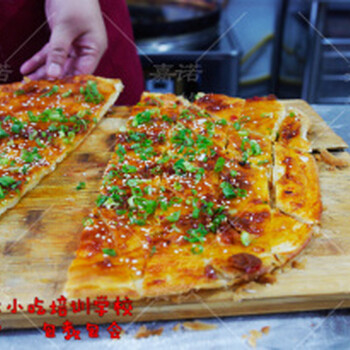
58	51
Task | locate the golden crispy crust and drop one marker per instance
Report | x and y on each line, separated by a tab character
221	106
297	190
186	200
41	123
91	271
294	129
263	116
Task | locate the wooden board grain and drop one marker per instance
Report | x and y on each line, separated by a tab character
40	235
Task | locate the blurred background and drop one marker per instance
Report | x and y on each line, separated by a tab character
291	48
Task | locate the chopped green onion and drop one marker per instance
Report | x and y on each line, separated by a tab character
197	249
30	157
153	250
231	192
54	89
108	251
91	92
3	133
221	122
142	118
19	92
246	238
33	118
261	162
195	213
7	181
17	126
196	234
81	185
4	161
243	133
237	125
128	169
101	199
175	216
88	222
219	166
67	93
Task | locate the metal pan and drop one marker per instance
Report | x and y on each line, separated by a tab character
154	19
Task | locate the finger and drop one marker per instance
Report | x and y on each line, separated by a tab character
68	69
35	61
89	50
86	61
40	73
59	45
70	63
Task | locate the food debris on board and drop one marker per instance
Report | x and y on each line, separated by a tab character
332	160
254	335
198	326
144	332
298	264
265	330
177	327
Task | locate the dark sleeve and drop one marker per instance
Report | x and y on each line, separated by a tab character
121	59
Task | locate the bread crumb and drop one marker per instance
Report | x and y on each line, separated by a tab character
177	327
144	332
265	330
267	278
198	326
331	168
300	265
254	335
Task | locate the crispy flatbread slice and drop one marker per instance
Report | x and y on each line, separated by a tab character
295	179
294	129
283	238
41	122
221	106
179	268
93	271
263	116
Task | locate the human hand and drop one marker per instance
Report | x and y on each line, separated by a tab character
77	43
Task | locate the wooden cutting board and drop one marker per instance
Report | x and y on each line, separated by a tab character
40	235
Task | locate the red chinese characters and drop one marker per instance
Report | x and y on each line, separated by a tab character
101	304
60	307
50	330
36	307
80	306
93	330
124	305
70	331
114	330
14	307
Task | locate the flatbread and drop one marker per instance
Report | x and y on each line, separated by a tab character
188	200
41	122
